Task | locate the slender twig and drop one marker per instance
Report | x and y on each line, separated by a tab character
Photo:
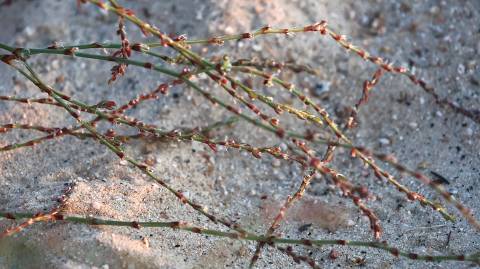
180	225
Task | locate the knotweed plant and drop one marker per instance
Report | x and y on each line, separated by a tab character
247	103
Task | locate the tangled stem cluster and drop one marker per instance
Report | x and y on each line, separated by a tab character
224	72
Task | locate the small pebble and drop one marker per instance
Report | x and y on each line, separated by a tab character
55	64
384	141
350	223
29	31
469	131
321	88
434	10
461	69
257	47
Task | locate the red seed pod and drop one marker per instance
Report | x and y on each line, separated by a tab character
185	71
133	102
135	225
256	153
129	12
376	60
288	86
30	143
182	197
70	52
400	69
148	65
253	108
54	45
126	50
180	38
223	81
173	133
121	155
216	41
317	163
362	191
143	166
317	27
388	67
162	88
268	82
110	133
362	53
75	114
212	146
234	144
280	132
395	252
247	35
57	132
219	68
333	254
412	196
8	59
138	47
233	84
266	29
276	150
233	109
107	104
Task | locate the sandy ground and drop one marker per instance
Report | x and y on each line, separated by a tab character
439	39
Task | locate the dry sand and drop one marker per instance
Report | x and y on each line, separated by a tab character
440	39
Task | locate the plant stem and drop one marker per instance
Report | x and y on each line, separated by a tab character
250	237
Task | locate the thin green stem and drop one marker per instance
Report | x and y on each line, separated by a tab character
179	225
